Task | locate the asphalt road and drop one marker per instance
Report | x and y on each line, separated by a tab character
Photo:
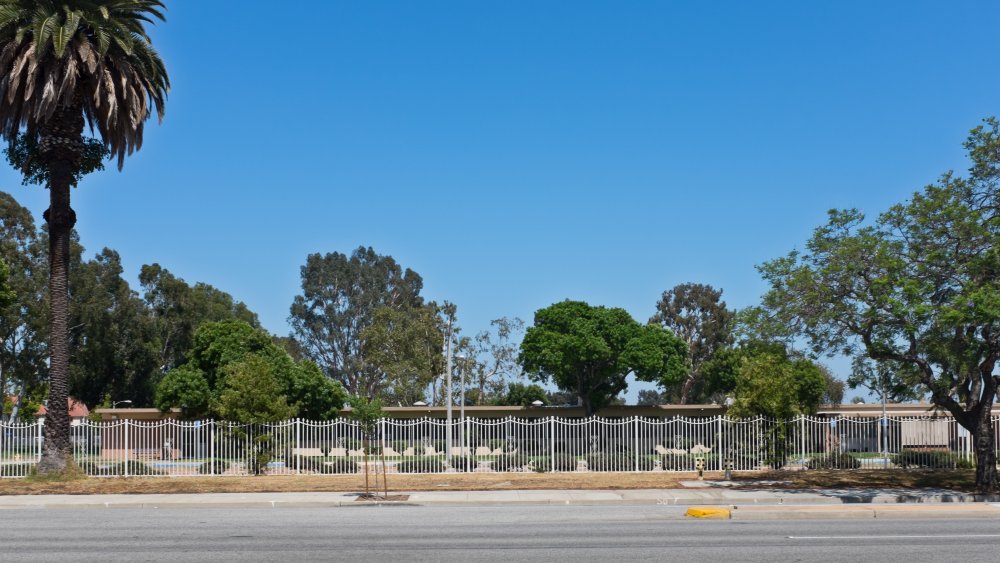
475	533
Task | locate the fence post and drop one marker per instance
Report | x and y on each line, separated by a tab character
718	441
552	443
127	447
210	427
802	436
38	441
298	446
635	440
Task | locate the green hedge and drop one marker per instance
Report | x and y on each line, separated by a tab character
907	458
839	460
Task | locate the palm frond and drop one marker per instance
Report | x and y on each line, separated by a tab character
91	54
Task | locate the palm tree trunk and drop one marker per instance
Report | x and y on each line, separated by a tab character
61	147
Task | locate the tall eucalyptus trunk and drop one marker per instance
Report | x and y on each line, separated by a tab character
61	148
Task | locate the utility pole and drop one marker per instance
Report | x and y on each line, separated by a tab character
447	447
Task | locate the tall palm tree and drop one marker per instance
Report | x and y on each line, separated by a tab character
66	64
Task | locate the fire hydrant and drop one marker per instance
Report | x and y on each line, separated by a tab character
699	464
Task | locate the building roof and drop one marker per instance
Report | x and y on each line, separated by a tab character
76	409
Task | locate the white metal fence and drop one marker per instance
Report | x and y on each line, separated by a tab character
187	448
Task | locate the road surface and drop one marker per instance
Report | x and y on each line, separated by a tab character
474	533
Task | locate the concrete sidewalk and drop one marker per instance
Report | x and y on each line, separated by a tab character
799	502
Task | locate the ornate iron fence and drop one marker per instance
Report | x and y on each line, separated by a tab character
187	448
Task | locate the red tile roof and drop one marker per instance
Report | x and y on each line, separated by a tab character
76	409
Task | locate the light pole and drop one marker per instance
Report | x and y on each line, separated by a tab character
114	404
461	416
447	430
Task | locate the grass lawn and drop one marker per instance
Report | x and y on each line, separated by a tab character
962	480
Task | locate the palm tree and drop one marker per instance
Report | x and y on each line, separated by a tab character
66	64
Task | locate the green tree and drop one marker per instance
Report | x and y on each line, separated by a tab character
726	372
590	351
651	397
918	286
7	295
521	395
185	387
178	309
23	322
699	317
367	412
251	394
405	344
772	385
197	384
891	382
492	358
58	60
112	336
342	298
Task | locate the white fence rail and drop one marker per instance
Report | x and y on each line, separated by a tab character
190	448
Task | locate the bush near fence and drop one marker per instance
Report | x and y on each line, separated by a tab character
837	460
911	458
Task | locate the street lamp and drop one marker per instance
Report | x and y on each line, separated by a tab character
461	416
114	404
447	430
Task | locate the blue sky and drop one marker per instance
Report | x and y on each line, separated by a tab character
520	153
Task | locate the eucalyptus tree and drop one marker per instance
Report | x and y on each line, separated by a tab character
697	314
23	327
7	294
351	317
67	64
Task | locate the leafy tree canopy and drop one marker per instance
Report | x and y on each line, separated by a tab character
918	286
698	316
113	340
178	309
590	350
522	395
24	318
7	295
199	384
772	385
351	306
251	392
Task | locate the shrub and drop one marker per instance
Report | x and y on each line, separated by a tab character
511	462
678	462
214	466
907	458
838	460
18	469
420	465
561	462
134	467
340	465
464	463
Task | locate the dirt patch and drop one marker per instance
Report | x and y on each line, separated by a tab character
381	498
957	480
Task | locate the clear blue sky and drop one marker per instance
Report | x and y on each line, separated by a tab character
520	153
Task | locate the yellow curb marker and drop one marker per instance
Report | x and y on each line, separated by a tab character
710	513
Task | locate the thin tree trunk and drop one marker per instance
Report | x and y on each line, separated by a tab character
60	146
